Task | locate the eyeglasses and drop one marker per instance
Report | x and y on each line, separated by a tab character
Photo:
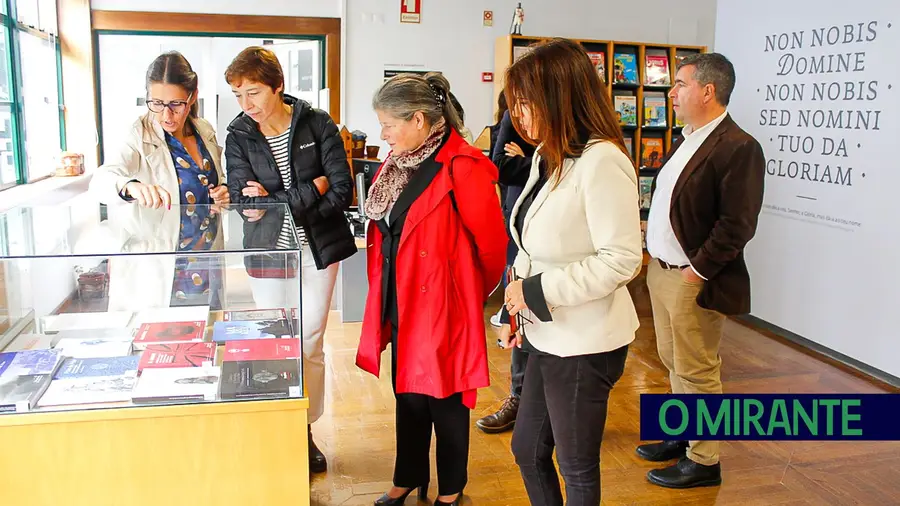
176	106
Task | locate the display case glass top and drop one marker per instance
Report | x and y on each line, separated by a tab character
125	306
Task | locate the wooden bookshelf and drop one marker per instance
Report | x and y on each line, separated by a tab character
508	46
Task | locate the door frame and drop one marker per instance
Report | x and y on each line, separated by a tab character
234	25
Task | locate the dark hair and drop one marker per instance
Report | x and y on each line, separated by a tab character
405	94
715	69
173	68
259	65
459	108
501	107
569	105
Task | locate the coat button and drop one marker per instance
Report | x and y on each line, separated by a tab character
424	289
423	254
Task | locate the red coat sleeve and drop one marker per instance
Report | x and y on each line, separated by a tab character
479	209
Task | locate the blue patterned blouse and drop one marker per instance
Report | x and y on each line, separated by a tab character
196	278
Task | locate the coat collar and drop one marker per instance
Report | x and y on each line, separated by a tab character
701	155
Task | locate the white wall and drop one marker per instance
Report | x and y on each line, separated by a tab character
821	264
305	8
451	38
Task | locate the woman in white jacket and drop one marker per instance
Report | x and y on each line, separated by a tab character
170	156
577	227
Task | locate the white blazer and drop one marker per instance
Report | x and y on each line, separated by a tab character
139	281
584	238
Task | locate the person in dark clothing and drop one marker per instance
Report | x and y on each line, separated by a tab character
512	155
280	150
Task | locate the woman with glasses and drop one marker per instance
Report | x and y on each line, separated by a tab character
169	157
577	227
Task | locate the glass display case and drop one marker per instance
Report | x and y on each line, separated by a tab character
125	306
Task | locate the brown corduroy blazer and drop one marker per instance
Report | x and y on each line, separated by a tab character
714	213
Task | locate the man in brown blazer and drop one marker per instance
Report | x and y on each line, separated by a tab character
706	203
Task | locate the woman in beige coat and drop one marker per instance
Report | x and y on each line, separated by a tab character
170	157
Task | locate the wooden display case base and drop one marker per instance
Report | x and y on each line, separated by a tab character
230	453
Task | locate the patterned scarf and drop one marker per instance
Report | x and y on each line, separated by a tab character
398	170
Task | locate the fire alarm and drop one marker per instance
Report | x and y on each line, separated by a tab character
487	77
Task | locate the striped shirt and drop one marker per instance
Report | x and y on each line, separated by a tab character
280	145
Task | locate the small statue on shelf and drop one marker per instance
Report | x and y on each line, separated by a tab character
518	19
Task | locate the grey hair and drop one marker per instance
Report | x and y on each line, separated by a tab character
403	95
715	69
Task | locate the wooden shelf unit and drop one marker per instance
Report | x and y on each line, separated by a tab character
506	47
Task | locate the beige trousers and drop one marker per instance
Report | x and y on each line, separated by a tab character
687	338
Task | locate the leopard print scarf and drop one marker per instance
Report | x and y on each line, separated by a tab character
398	170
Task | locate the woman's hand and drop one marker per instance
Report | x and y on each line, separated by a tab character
322	185
515	298
254	189
219	195
506	339
148	195
513	149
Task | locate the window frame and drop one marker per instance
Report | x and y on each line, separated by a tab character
14	29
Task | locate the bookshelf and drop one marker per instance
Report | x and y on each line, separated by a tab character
653	128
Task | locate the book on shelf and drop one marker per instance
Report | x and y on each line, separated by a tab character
85	321
598	58
174	384
656	68
77	347
261	349
644	234
260	329
27	362
24	342
91	381
21	393
626	109
629	146
625	69
654	109
160	356
169	332
646	187
254	315
520	51
171	314
260	378
651	152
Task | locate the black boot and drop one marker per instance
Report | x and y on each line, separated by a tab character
661	452
687	474
317	461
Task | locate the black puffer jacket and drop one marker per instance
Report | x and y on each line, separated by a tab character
316	150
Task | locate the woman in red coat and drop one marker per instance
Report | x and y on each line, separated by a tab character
436	250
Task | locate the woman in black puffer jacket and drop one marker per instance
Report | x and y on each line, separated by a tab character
281	150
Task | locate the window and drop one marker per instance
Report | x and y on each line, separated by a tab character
32	133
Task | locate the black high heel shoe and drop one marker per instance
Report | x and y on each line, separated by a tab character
456	502
386	500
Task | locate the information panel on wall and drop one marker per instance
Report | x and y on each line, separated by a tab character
818	85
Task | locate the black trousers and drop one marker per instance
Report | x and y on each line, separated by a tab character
517	362
563	405
416	416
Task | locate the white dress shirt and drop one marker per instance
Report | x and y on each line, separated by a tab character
661	240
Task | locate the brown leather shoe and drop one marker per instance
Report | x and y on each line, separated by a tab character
503	420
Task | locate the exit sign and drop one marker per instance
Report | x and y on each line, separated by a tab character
410	11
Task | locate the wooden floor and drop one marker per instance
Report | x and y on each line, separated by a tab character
357	433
